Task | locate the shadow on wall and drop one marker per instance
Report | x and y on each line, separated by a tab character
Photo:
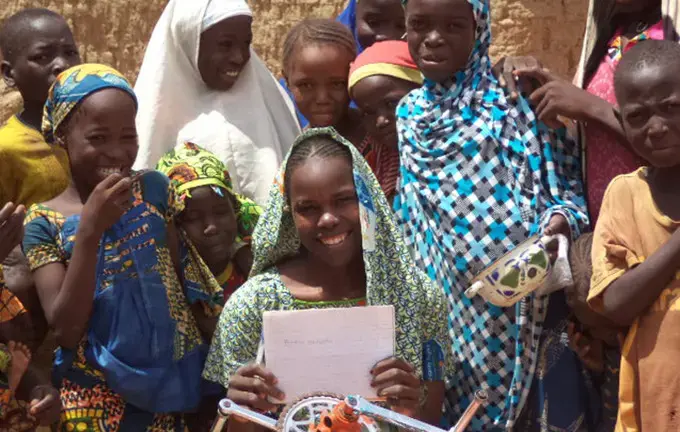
115	32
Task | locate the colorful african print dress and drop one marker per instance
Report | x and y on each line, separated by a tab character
480	175
14	320
391	279
139	365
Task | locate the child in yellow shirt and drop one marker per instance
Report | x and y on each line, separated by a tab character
636	245
36	45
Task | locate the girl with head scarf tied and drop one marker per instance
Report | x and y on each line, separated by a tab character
327	240
106	261
378	79
199	60
217	221
479	176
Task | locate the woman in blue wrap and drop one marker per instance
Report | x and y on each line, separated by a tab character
479	175
130	318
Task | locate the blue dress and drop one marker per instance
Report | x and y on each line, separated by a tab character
139	364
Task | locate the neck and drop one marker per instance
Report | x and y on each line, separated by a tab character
339	282
31	115
217	266
664	179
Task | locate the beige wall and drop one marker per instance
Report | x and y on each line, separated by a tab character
116	31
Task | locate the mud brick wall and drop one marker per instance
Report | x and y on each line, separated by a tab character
116	31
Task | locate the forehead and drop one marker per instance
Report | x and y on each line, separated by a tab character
240	25
107	105
43	30
322	59
444	9
319	171
377	87
648	81
376	6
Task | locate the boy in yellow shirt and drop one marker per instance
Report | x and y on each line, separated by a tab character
36	45
636	245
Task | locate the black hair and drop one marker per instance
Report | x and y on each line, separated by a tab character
316	31
606	22
648	53
14	29
319	146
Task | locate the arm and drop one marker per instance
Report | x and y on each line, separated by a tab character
558	97
66	295
638	288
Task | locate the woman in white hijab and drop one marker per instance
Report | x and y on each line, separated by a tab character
198	61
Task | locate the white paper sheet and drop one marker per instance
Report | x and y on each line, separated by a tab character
329	350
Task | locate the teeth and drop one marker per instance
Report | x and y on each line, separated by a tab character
109	171
332	241
232	74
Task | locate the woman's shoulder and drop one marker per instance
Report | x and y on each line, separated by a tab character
266	290
44	215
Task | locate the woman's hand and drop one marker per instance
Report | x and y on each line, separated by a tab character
11	228
45	404
513	84
109	200
558	97
252	385
590	351
558	224
396	380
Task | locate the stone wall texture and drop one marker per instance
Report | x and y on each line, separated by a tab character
116	31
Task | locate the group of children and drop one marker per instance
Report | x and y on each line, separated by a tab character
145	230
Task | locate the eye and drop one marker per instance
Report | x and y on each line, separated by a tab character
670	107
416	24
339	85
305	208
96	138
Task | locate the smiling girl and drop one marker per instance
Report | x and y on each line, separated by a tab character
317	54
479	176
199	60
105	259
326	240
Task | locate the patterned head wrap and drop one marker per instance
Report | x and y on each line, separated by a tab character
391	275
479	175
391	58
189	166
72	86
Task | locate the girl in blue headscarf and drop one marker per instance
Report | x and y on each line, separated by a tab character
119	299
480	175
369	21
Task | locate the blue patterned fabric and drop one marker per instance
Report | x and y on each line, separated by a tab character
142	341
479	175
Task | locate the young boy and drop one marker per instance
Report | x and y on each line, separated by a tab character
636	245
36	45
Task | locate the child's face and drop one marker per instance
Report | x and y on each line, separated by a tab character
224	51
101	137
210	222
46	50
377	97
379	20
325	209
650	113
318	80
441	35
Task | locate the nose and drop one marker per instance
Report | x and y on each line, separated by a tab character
657	128
434	39
237	57
382	121
328	220
59	65
210	228
322	95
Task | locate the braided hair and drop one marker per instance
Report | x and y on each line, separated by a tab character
319	146
316	31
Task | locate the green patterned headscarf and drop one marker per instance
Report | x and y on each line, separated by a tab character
189	166
392	277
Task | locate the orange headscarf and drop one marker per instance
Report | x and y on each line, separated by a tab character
390	58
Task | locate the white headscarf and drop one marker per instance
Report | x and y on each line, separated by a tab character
172	93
